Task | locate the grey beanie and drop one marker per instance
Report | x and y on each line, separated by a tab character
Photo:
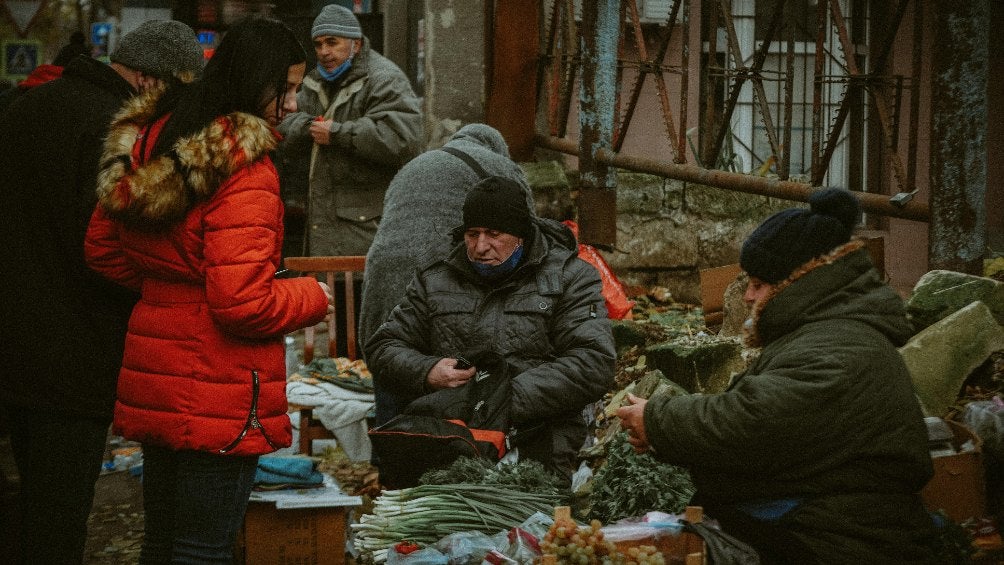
336	20
162	48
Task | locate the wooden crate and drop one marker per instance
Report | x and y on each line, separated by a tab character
292	536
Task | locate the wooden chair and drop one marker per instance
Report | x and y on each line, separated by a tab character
330	269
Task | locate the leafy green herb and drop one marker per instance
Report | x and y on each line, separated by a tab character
527	476
631	484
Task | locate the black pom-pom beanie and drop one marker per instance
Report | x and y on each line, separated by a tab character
793	237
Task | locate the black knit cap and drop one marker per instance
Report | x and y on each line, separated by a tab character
500	204
790	238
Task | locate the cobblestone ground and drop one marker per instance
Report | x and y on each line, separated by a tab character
115	527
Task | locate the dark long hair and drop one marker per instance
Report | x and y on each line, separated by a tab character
249	68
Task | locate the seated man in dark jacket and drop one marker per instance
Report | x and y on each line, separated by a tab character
515	287
817	452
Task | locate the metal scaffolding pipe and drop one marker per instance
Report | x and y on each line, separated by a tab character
788	190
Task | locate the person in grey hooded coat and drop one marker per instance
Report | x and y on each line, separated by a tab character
514	286
423	204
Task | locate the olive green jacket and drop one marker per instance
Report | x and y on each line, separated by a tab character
826	415
377	128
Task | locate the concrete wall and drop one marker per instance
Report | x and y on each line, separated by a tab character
454	67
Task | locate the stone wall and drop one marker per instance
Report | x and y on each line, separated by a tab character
667	231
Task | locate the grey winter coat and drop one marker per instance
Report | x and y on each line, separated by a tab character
377	128
424	202
547	319
826	416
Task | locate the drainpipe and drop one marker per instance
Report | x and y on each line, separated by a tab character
597	102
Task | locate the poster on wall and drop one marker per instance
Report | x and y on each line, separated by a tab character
20	57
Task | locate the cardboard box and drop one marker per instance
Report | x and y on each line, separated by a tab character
292	536
958	486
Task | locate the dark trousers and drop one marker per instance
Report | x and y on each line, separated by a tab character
58	459
193	504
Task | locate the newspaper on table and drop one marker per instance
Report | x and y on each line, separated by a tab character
330	494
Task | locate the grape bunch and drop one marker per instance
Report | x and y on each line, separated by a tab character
574	545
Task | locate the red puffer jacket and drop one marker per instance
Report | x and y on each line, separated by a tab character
199	232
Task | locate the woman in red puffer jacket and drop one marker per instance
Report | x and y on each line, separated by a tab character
189	213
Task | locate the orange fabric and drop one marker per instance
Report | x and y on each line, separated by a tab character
614	295
493	437
41	74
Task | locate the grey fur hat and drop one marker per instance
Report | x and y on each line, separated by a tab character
336	20
162	48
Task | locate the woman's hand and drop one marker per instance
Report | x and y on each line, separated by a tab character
632	417
330	296
444	374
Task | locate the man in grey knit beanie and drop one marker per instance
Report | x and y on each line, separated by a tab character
165	50
358	120
338	21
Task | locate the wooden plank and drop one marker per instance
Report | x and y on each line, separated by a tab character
512	91
714	281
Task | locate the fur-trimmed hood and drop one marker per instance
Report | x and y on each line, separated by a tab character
156	194
842	283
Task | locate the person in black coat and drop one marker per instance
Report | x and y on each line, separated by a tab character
76	46
63	325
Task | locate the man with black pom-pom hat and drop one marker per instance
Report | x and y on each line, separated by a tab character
817	453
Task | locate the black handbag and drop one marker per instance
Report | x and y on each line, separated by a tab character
435	429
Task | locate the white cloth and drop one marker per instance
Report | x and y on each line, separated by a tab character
340	410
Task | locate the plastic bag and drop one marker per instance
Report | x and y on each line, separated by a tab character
424	556
537	524
582	476
524	547
986	419
723	549
618	305
465	548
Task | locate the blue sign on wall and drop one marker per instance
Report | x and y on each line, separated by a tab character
20	58
207	37
100	32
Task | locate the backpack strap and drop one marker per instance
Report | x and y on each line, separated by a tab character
474	165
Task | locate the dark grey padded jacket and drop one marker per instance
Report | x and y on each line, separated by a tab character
547	319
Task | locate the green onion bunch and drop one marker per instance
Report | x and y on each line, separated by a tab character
426	513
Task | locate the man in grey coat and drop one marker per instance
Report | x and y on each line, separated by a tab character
358	122
423	204
512	285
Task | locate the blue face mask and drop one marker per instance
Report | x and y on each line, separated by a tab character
503	268
339	70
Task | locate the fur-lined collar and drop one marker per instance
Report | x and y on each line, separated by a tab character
751	335
157	194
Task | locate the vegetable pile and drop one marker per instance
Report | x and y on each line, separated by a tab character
631	484
426	513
